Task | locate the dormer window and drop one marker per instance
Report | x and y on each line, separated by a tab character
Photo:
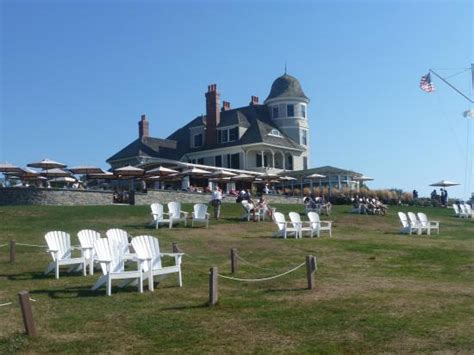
275	133
228	135
198	140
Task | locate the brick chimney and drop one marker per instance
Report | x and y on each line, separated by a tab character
143	127
213	114
225	105
254	100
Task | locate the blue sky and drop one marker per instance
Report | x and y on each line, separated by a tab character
77	75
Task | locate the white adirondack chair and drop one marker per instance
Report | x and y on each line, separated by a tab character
317	225
295	219
200	214
284	228
59	246
148	248
466	210
111	262
248	214
415	224
429	225
158	214
458	211
87	238
120	239
175	213
406	228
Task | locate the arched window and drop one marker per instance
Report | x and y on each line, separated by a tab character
289	162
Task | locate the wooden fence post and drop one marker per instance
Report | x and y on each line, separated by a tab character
213	285
25	305
175	247
233	260
310	270
12	251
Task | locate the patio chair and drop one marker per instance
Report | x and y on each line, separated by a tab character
120	239
200	214
59	246
415	224
428	225
458	211
176	214
317	225
295	219
111	262
148	248
249	212
406	228
87	238
158	215
284	228
466	210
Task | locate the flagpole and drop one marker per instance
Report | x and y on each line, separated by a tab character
451	86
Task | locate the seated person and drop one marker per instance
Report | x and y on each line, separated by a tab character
264	207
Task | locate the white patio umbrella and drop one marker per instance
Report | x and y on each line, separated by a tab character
129	171
243	177
195	171
104	175
55	172
85	170
27	173
46	164
161	171
360	179
222	174
315	176
289	178
66	179
444	183
9	168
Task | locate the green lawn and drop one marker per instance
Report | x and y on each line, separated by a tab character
376	290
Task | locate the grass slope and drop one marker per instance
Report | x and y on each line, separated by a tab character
377	290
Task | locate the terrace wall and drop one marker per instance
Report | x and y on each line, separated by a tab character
67	197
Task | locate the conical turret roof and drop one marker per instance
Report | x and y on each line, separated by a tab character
286	86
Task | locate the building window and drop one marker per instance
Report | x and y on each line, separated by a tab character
218	160
233	134
259	160
200	161
222	136
235	161
275	112
303	111
304	138
290	110
289	163
198	140
227	161
305	163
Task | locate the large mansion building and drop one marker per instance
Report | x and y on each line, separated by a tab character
273	136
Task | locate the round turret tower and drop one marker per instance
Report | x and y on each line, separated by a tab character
288	106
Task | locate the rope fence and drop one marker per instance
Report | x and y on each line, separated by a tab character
262	279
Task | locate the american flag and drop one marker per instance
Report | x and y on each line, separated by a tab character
425	83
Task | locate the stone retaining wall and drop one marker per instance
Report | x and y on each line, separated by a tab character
66	197
62	197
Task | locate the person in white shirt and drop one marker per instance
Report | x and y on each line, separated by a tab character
216	201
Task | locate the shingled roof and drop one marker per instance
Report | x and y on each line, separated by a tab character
286	86
147	146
